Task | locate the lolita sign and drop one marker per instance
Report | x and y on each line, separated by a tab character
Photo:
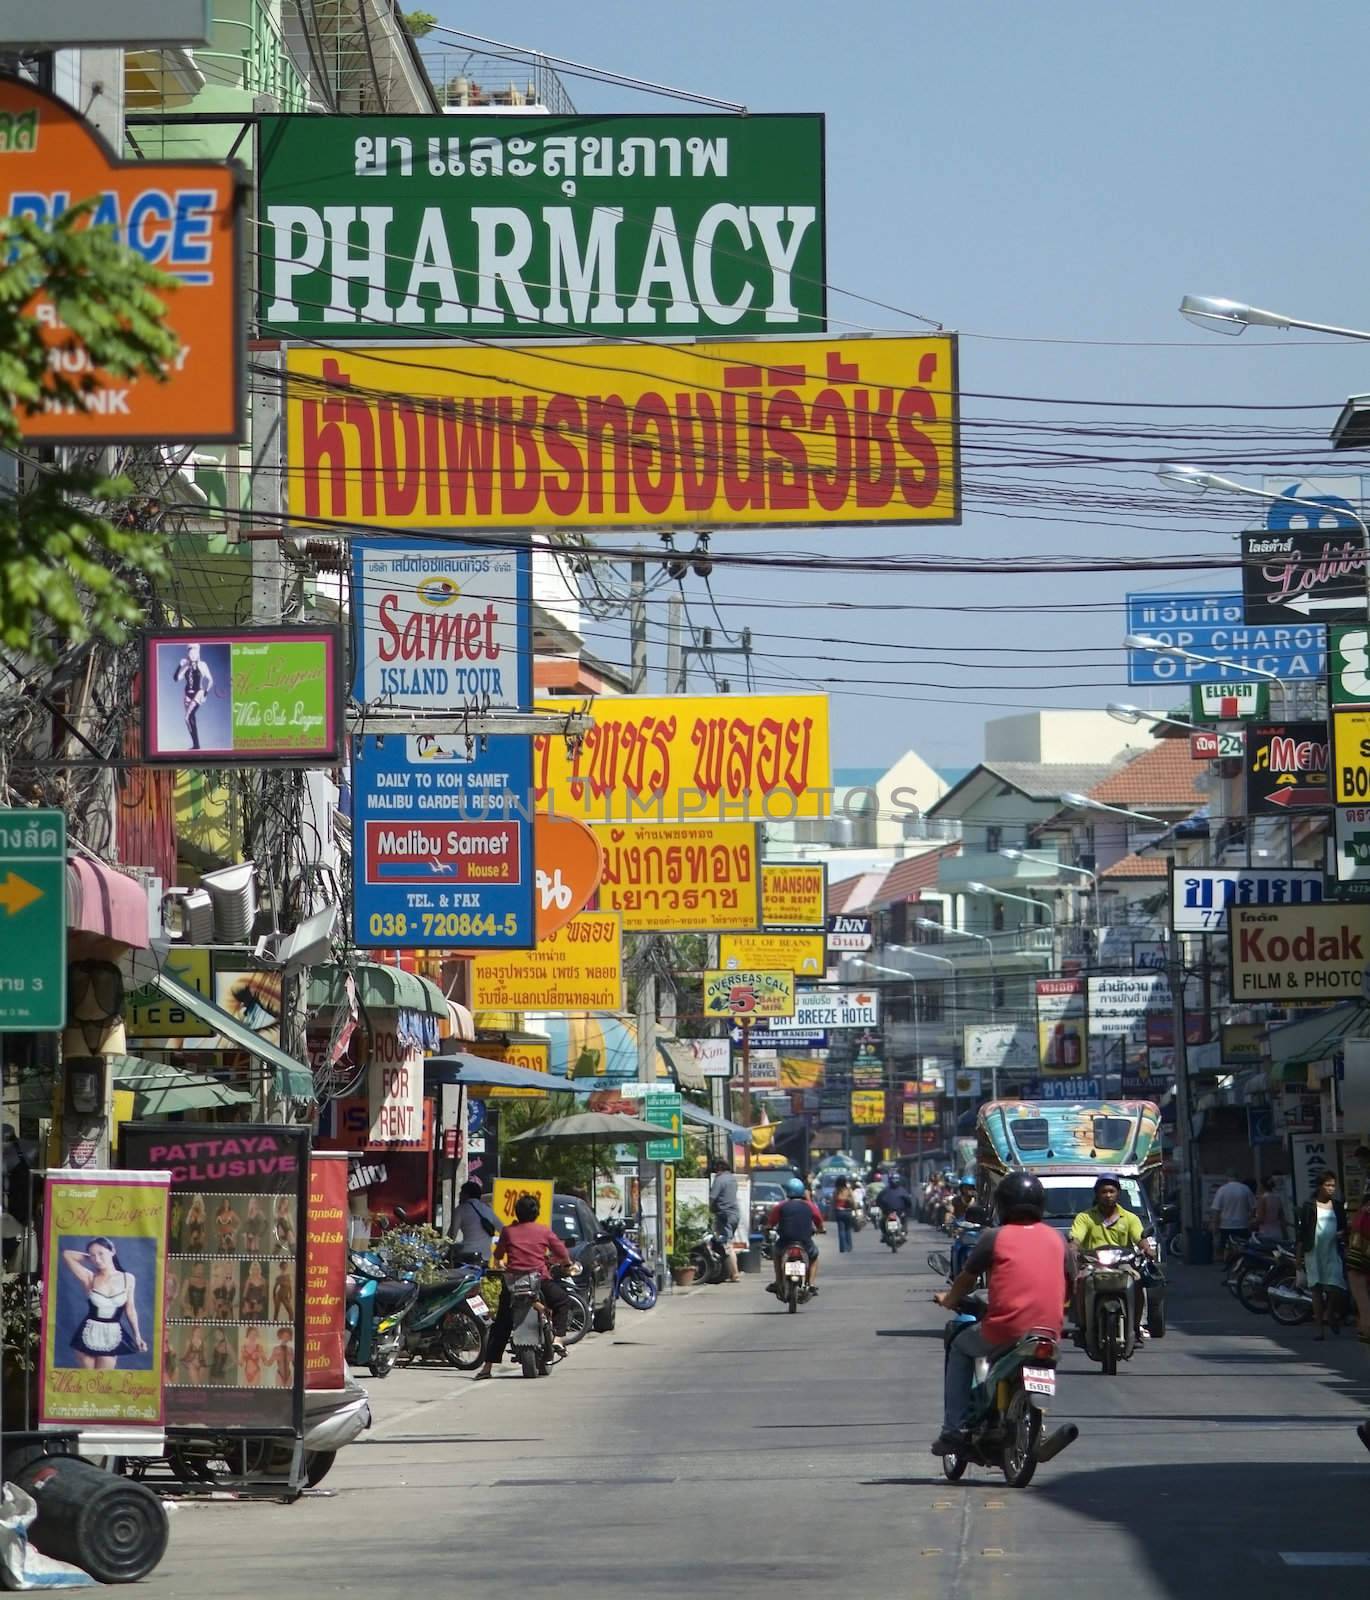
440	625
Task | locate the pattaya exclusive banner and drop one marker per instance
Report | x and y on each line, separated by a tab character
746	433
104	1286
681	877
233	1345
252	694
499	224
678	758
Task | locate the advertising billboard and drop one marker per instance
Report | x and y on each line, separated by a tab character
804	954
1215	625
1118	1005
685	758
229	697
1062	1035
325	1272
443	843
812	431
533	1055
181	217
794	896
439	624
580	968
848	933
1348	665
1350	847
1287	768
825	1009
505	224
1298	953
749	994
1315	574
1350	730
992	1045
569	862
867	1107
1200	896
681	877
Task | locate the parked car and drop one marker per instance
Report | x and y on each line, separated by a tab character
767	1191
574	1224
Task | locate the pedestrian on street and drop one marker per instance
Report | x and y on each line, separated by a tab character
474	1226
1230	1213
727	1213
843	1210
1270	1216
1319	1237
1358	1267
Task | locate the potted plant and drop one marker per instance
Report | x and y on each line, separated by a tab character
682	1268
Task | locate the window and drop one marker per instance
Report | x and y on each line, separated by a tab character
1031	1133
566	1223
994	840
997	916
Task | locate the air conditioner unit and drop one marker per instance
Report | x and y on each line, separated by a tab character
233	891
188	916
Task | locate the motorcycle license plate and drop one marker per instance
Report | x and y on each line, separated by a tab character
1039	1380
795	1269
476	1304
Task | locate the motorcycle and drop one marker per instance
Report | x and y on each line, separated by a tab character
1008	1406
1109	1300
710	1258
531	1335
376	1308
449	1320
1263	1265
793	1287
634	1283
892	1230
1290	1302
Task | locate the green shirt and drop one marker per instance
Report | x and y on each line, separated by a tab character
1091	1232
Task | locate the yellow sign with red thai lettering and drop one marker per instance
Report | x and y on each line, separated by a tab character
805	954
867	1107
685	758
532	1055
552	434
681	877
580	968
794	895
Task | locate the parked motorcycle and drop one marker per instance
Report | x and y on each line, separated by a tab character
1290	1302
376	1308
634	1282
1108	1300
710	1258
1008	1406
1263	1265
794	1287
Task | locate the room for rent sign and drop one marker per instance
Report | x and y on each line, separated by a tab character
1298	953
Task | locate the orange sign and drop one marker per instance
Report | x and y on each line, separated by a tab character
181	217
568	862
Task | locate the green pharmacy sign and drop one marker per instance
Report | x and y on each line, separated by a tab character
243	696
501	226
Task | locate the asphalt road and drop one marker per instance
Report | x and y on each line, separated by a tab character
717	1446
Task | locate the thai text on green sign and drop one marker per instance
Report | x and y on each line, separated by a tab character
33	921
665	1111
398	227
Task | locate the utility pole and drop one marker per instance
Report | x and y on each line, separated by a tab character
675	654
1183	1125
637	624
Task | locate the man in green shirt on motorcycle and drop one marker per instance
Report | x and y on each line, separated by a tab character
1106	1224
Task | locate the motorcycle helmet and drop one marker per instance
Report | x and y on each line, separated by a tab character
966	1183
794	1187
1106	1177
1020	1197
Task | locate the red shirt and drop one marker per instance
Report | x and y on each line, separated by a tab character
523	1247
773	1215
1029	1280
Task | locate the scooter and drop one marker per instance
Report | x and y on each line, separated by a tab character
1109	1298
531	1335
794	1287
633	1280
892	1230
710	1258
449	1320
1008	1405
376	1309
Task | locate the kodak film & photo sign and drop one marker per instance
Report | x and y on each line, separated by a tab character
1298	953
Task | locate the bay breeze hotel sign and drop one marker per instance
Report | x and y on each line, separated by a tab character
1200	896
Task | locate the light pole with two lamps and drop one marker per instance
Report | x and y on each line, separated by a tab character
911	977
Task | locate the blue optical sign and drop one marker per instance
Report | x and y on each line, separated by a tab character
1214	625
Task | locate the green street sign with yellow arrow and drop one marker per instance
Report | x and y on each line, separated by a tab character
33	921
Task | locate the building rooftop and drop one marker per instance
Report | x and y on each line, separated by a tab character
1044	781
1136	867
853	894
907	879
1162	778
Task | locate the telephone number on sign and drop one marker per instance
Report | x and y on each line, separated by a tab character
442	925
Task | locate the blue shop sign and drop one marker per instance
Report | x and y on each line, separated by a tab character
1215	625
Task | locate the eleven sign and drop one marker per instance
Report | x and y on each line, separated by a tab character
1229	702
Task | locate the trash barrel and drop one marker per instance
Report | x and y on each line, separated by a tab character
113	1528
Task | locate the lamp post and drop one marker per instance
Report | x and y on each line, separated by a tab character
1144	641
1194	481
1062	866
976	887
901	972
984	938
1233	317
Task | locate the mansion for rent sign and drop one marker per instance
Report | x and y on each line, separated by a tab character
376	227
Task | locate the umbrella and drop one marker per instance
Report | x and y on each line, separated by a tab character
595	1125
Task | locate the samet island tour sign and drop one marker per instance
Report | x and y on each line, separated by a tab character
743	433
376	227
181	217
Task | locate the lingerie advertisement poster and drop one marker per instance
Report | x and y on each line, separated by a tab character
233	1343
104	1288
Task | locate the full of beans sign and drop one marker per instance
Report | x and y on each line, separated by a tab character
395	1086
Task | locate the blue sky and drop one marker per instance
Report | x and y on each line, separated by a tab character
1039	178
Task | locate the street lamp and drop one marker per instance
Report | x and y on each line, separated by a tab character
912	977
1082	802
1193	481
1135	714
1144	641
1232	317
1003	894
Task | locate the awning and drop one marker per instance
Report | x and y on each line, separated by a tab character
160	1089
735	1131
105	902
475	1072
379	988
688	1072
1295	1044
461	1024
292	1079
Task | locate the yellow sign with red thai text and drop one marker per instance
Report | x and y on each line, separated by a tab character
794	895
680	877
532	1056
867	1107
580	968
687	758
550	434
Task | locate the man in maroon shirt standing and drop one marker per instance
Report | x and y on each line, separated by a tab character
1027	1270
527	1245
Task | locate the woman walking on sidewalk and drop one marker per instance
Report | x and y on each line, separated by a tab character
843	1211
1319	1236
